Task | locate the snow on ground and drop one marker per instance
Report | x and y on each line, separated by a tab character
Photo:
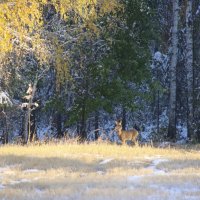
153	166
1	187
171	190
100	172
174	192
32	171
8	171
3	171
106	161
20	181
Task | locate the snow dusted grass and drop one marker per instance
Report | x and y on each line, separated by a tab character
98	171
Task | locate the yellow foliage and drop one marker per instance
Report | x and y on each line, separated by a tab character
23	19
18	19
61	65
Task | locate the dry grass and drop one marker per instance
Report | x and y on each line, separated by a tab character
75	171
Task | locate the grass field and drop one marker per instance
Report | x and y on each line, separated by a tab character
98	171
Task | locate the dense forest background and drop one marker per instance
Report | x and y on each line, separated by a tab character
71	68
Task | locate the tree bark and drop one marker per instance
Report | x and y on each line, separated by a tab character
96	124
189	67
172	100
83	134
124	119
59	125
5	129
27	119
33	133
158	112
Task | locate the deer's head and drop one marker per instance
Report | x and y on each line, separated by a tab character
118	126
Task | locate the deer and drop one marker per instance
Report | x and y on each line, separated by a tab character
130	135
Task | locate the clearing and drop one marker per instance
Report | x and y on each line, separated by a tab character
98	172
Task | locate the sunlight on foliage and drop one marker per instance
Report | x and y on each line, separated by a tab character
21	19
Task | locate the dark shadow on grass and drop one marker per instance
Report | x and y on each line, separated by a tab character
40	163
179	164
70	164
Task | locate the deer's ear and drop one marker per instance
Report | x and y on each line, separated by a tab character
116	122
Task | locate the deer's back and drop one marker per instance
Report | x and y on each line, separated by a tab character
129	135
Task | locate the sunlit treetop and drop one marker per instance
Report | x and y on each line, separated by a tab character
18	19
22	19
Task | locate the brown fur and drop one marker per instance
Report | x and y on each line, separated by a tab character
130	135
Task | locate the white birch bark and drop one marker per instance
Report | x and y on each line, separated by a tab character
172	103
189	67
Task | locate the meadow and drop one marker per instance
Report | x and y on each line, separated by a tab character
99	171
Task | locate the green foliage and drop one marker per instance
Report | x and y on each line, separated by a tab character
130	54
55	104
115	79
98	49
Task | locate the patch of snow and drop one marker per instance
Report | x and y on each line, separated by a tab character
83	174
106	161
176	191
158	56
3	169
154	165
183	141
182	130
156	171
164	144
146	134
32	170
100	172
164	118
39	191
2	187
155	161
20	181
135	178
36	178
5	99
153	157
158	161
44	132
160	60
198	10
6	170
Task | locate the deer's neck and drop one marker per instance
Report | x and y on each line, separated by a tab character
120	132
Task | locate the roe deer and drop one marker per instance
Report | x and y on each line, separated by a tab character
130	135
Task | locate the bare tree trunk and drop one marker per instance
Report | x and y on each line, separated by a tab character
189	67
59	125
124	119
158	112
83	123
27	120
33	130
96	124
5	124
25	134
172	103
157	106
6	129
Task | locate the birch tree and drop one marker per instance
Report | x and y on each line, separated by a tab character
174	58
